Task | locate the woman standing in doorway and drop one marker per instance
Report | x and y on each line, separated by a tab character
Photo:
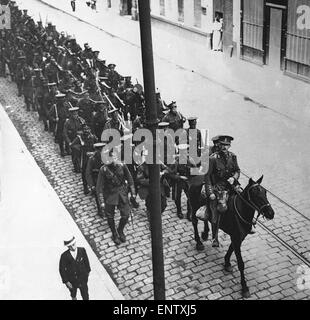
217	34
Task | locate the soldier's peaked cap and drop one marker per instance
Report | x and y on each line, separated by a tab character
74	109
215	139
226	140
111	65
163	124
172	104
99	145
60	95
192	119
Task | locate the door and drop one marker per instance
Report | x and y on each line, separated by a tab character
275	37
228	26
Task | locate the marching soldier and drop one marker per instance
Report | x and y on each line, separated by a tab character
222	176
94	164
72	128
58	115
99	119
21	74
84	143
112	190
180	173
216	145
192	132
113	122
39	85
143	186
49	103
113	76
174	118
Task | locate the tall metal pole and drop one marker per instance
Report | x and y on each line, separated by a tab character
154	169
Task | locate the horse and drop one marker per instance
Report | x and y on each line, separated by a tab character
237	221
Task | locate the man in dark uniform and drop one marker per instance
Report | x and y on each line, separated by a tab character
180	173
28	87
85	144
134	99
59	114
216	144
143	186
20	74
112	191
222	176
74	269
40	85
113	76
99	118
49	103
94	164
193	132
175	119
72	128
113	122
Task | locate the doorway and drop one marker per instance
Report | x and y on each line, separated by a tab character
275	37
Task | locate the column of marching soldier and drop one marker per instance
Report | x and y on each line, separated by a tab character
77	96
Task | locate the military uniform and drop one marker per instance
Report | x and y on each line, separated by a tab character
175	119
222	167
112	190
180	174
59	114
94	164
72	127
143	187
191	132
85	144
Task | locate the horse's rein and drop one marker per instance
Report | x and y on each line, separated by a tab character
251	204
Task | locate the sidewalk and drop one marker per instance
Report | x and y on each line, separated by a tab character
267	87
33	224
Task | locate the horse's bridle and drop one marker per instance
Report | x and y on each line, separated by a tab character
251	204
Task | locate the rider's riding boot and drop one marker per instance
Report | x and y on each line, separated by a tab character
120	229
115	236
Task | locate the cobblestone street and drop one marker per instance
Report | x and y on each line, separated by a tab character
271	267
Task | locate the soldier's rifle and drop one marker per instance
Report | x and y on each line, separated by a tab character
120	117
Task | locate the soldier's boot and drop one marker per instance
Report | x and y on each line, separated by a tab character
120	229
179	209
62	150
115	236
45	125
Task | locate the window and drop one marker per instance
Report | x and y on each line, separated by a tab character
181	10
162	7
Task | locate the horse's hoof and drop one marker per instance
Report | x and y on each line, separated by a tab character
200	246
204	236
228	268
246	294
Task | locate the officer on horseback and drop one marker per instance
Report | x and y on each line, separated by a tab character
220	181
